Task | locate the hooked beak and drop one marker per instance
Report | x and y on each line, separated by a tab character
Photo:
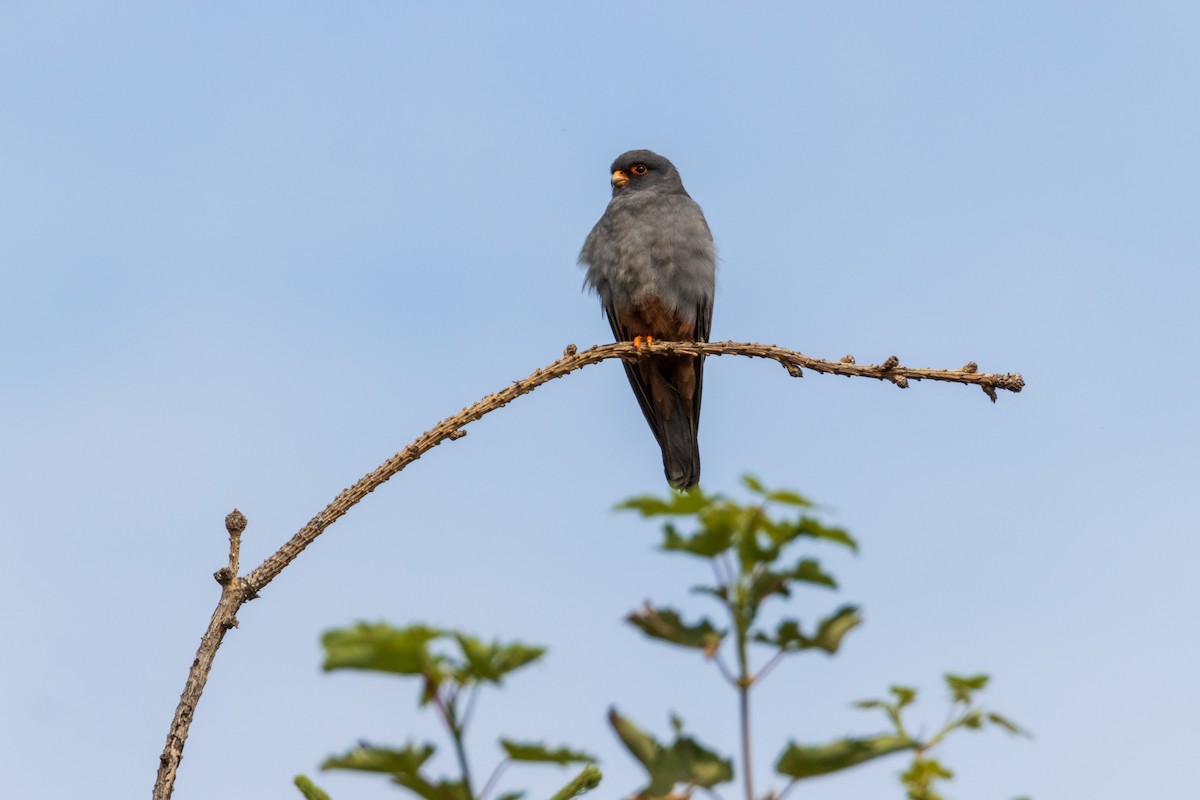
619	178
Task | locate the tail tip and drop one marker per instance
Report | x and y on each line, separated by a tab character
682	480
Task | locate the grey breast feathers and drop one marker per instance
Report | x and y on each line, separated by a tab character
651	247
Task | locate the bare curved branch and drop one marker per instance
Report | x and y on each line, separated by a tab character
237	591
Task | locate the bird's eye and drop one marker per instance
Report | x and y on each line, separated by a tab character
640	169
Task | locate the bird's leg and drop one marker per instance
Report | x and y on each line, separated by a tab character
638	341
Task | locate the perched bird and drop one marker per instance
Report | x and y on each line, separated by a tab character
652	261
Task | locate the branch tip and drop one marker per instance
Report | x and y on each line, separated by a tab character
970	368
794	370
570	350
235	522
989	390
847	359
457	434
900	381
891	363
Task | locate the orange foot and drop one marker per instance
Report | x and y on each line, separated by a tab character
638	341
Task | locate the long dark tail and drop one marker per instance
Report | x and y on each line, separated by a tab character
680	448
668	390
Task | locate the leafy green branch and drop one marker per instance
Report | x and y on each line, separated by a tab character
923	773
749	550
449	683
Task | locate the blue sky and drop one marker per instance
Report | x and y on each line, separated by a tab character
247	253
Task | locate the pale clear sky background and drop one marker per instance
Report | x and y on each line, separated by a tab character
248	251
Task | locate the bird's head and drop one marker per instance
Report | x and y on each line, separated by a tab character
645	171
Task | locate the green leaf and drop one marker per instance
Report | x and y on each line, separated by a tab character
922	772
829	635
309	789
776	496
646	505
764	584
688	761
834	628
799	761
534	751
755	551
726	518
676	504
442	790
511	796
644	747
963	687
869	704
788	498
905	695
809	571
367	758
666	624
404	766
753	484
787	636
491	662
719	592
1007	724
684	761
706	543
810	528
381	648
584	782
974	721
